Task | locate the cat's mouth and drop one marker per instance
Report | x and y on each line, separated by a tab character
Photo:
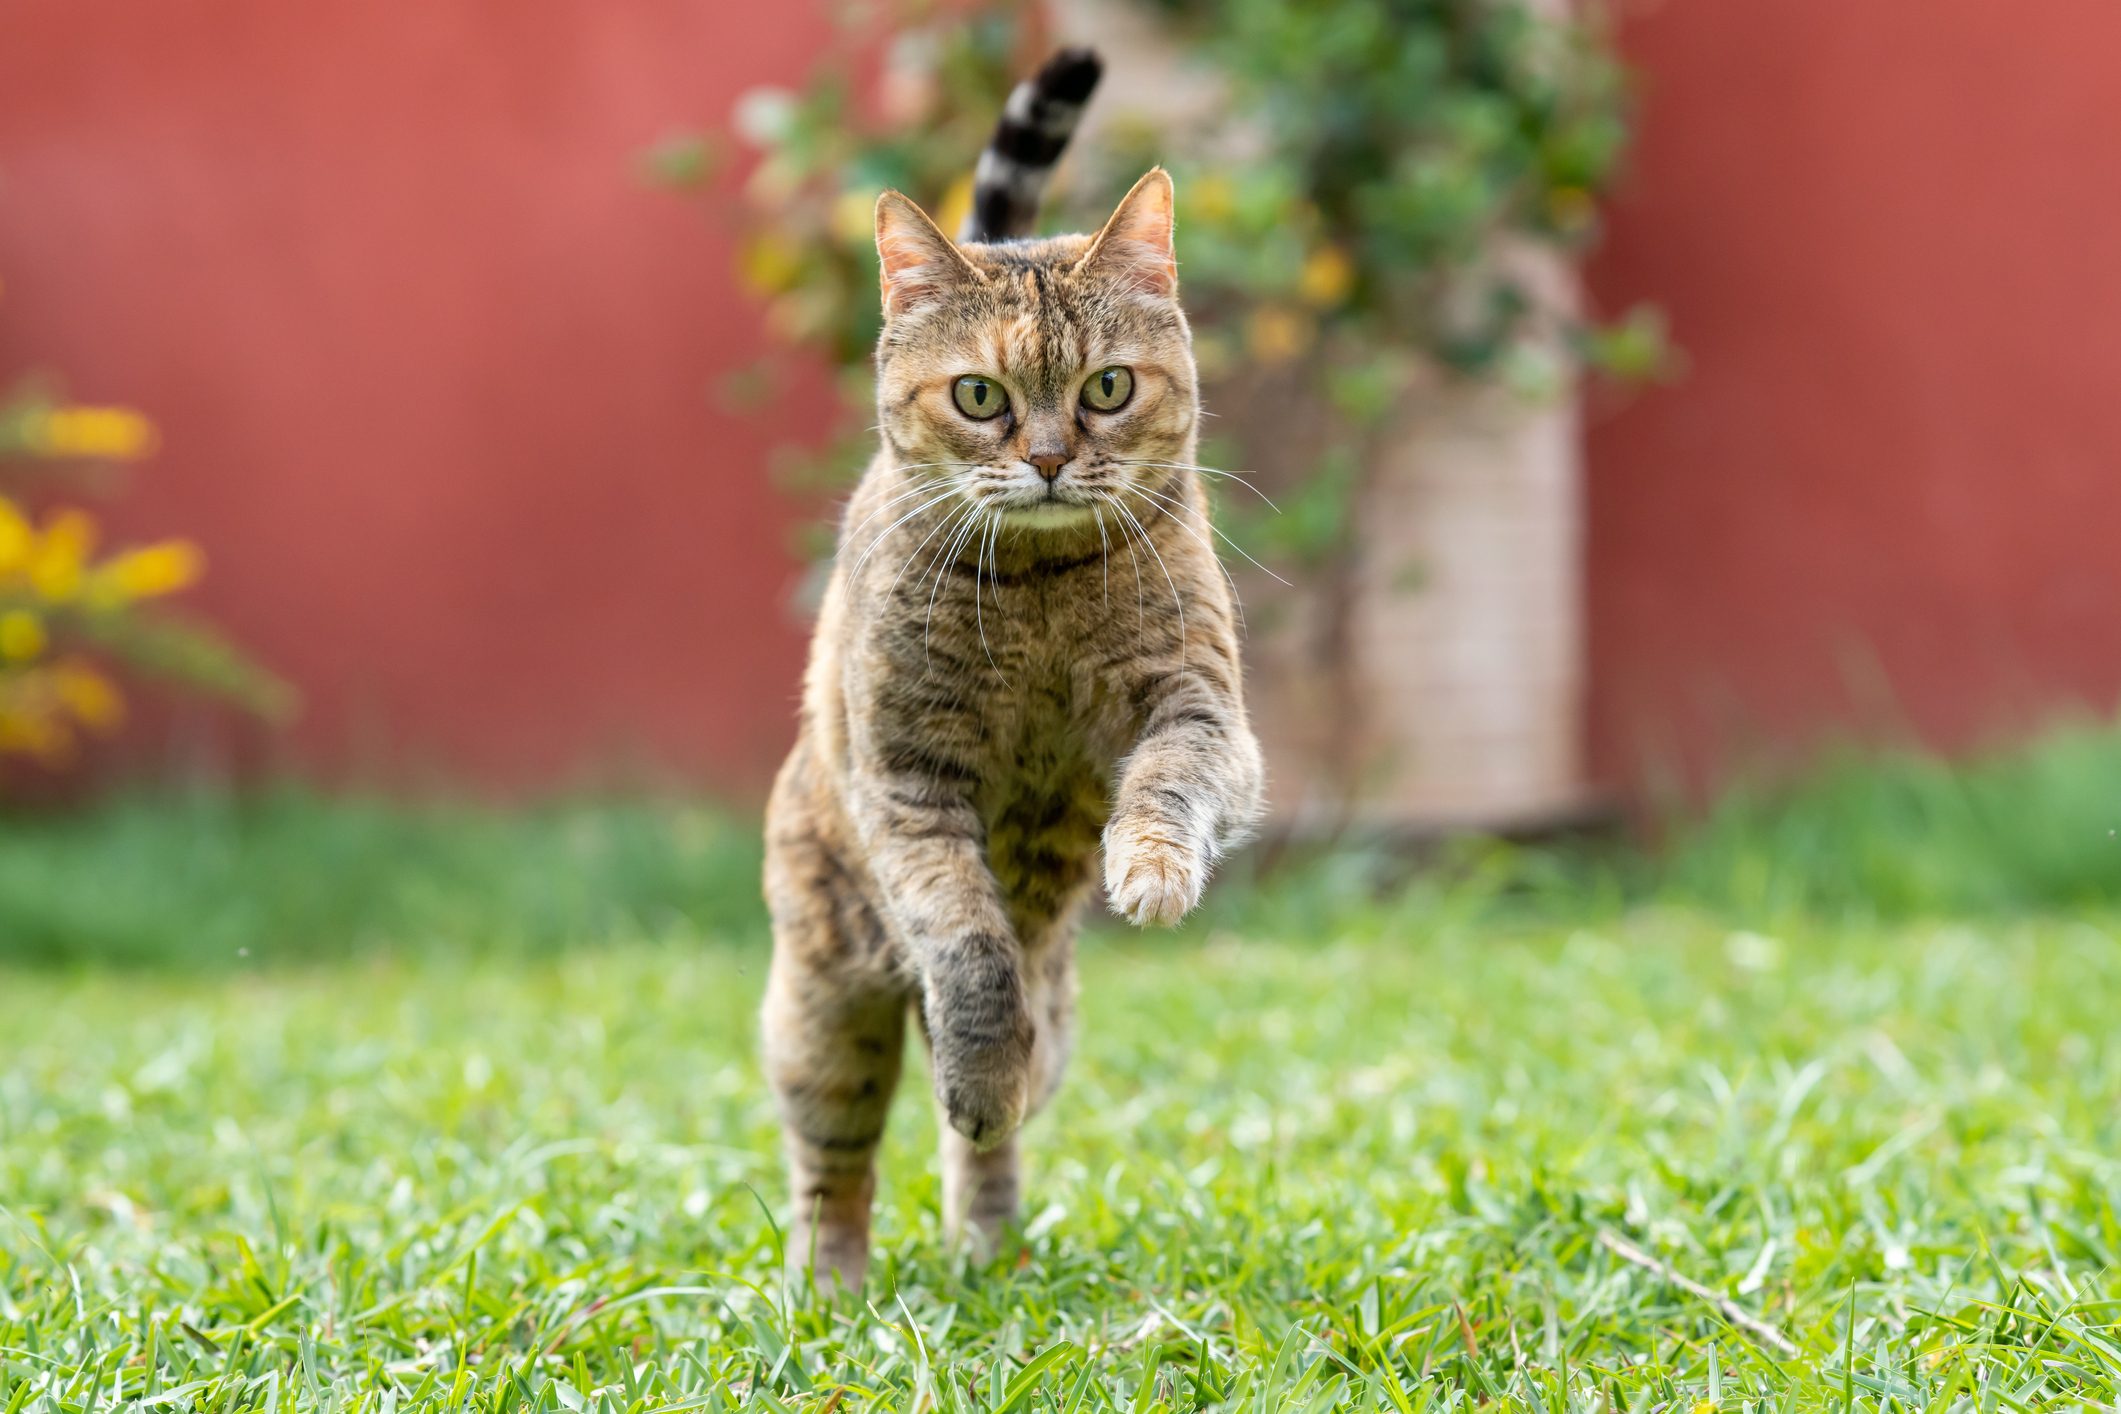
1044	503
1048	511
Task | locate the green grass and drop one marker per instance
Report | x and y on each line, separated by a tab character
1326	1149
1281	1170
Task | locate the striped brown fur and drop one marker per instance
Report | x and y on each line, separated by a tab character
1011	670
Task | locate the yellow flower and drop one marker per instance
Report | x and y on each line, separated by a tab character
1276	335
17	538
91	432
770	265
1327	277
22	635
1212	355
37	737
1571	208
92	698
30	724
957	205
58	561
854	217
1212	198
147	572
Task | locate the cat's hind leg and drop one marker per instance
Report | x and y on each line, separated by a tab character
833	1031
981	1192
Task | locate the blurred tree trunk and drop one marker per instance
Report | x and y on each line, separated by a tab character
1430	672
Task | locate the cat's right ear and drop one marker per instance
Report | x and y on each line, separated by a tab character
920	264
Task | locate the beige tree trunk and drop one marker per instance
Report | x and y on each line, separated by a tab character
1462	702
1440	684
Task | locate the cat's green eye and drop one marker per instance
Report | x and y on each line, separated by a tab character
979	398
1108	390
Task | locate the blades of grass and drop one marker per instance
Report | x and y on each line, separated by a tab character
1026	1380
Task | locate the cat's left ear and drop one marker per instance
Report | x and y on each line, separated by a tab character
920	264
1135	247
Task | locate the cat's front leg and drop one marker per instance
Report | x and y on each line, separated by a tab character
925	843
1191	789
979	1027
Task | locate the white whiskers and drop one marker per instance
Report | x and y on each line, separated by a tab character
952	547
1177	604
940	526
914	490
1099	512
1238	477
1176	504
1173	508
950	489
990	535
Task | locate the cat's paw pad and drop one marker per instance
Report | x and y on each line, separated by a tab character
1150	881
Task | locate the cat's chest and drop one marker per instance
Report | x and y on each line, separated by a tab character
1044	793
1023	685
1047	682
1046	731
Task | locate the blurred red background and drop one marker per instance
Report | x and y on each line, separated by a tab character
1885	494
433	363
433	366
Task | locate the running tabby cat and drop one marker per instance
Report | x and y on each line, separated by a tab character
1027	650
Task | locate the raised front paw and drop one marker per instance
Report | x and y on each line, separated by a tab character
1149	879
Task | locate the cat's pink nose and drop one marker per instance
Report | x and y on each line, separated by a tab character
1049	464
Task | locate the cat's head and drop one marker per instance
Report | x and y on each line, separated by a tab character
1040	379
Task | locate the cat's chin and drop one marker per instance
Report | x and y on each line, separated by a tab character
1049	515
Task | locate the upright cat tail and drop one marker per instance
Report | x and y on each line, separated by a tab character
1035	126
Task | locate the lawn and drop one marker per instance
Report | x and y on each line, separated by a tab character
1532	1131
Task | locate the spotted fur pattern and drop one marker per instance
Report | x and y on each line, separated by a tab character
1027	652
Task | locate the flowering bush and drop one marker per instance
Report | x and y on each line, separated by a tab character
807	246
71	612
1346	209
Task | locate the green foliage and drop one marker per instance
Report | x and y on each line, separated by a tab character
1305	524
213	881
1908	834
1343	214
66	614
1402	139
1861	837
809	249
181	648
289	876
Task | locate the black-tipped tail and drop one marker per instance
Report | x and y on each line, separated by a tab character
1034	129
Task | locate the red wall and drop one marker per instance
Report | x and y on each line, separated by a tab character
434	367
1888	233
432	364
